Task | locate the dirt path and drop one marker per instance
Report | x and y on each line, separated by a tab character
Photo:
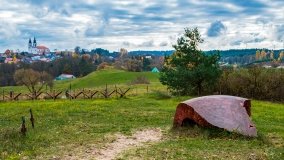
119	145
122	143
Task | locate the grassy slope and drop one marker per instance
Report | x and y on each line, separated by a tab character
68	127
110	77
64	125
99	79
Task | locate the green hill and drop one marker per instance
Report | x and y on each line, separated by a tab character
103	77
99	79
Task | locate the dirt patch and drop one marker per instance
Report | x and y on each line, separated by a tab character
119	144
122	143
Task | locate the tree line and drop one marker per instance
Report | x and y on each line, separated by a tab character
78	66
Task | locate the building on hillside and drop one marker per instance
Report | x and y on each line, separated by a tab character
65	76
42	50
155	70
33	48
11	60
267	66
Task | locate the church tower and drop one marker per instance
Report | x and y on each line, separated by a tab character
34	44
30	44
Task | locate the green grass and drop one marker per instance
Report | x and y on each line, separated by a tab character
68	127
64	126
99	79
198	143
103	77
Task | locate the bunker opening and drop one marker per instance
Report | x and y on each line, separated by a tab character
187	122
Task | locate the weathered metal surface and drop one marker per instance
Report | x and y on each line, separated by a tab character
228	112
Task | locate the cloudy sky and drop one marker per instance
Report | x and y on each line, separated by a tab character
141	25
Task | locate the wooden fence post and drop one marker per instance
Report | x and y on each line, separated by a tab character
70	92
32	118
23	127
115	91
106	91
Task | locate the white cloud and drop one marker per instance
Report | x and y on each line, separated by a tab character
144	24
8	31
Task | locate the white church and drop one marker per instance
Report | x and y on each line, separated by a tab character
33	48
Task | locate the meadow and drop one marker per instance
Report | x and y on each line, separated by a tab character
67	129
98	80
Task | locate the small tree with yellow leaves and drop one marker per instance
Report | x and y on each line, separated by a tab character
257	55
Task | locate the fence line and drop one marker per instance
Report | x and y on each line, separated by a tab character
107	92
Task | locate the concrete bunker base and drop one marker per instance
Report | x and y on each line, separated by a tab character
186	117
217	111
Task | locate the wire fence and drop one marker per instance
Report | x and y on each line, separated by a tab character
113	91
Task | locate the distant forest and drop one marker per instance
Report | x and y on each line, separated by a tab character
242	56
241	52
239	56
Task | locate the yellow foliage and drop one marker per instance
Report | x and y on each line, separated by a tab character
262	54
257	55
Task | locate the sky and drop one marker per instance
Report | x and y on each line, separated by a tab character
141	24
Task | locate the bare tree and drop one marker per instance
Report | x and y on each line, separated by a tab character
33	80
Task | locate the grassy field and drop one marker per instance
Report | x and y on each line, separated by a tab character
99	79
67	128
63	126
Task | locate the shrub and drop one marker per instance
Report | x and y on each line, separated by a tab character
255	82
103	65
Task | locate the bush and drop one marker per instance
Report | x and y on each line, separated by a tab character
255	82
103	65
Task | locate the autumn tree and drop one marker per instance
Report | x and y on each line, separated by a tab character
281	56
257	55
33	80
262	55
123	52
133	65
189	70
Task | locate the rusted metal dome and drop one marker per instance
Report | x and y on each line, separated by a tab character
228	112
